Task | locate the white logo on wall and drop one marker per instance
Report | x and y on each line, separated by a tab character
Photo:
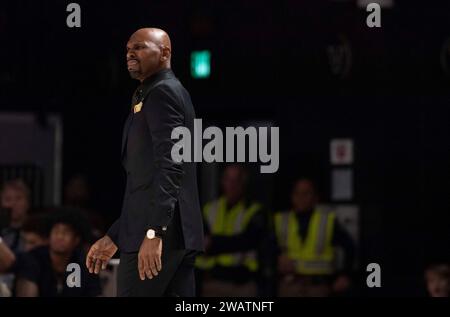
374	278
341	151
213	151
74	18
74	278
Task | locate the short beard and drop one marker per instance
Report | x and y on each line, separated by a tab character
135	74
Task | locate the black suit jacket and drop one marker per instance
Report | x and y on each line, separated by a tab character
158	187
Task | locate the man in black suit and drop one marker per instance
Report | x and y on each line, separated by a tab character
160	228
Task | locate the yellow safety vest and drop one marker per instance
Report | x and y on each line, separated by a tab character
314	255
228	223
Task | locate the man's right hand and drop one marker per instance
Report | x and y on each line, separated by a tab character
99	254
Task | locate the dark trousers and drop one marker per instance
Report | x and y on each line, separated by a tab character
176	277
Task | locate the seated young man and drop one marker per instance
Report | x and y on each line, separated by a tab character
42	271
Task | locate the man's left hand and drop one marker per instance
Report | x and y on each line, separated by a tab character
149	258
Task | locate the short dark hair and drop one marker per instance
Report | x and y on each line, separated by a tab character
74	218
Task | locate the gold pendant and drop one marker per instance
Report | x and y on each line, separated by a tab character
137	107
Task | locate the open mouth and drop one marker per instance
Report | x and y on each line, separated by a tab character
132	62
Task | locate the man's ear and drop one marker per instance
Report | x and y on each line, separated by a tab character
165	53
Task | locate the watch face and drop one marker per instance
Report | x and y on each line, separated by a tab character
150	234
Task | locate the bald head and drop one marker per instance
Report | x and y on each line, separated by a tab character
157	36
148	51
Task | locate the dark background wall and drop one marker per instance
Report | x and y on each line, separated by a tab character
270	61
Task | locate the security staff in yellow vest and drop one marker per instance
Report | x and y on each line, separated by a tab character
235	230
307	238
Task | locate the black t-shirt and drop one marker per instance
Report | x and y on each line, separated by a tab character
36	267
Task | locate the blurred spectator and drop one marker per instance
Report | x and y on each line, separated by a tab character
83	222
7	257
14	207
42	271
15	201
34	234
77	193
437	278
307	237
235	229
35	231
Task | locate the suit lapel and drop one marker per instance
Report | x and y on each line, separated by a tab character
148	86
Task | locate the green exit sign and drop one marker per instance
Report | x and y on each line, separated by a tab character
201	64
